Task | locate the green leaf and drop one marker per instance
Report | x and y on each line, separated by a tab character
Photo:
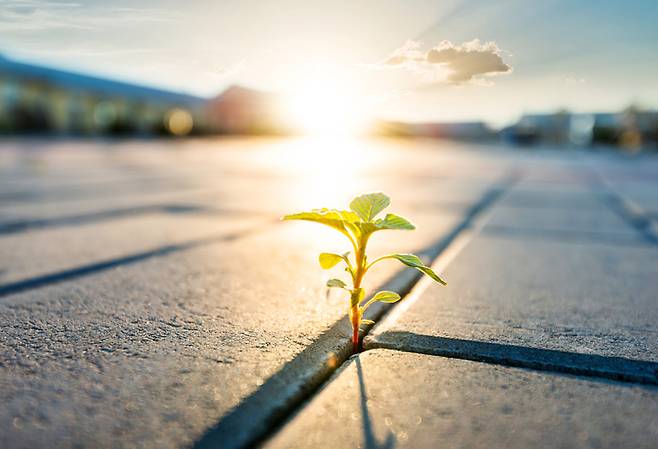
344	221
369	205
392	221
336	283
386	296
367	322
414	261
337	219
329	260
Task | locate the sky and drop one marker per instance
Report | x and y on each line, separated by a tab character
403	60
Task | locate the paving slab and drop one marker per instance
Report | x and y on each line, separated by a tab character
555	295
163	350
525	196
594	220
42	252
245	181
390	399
579	216
154	354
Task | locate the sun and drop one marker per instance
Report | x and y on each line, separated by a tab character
326	107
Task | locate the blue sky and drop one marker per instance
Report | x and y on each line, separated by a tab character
580	55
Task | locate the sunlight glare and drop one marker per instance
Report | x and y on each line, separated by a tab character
327	107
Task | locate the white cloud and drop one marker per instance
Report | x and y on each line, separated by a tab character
453	64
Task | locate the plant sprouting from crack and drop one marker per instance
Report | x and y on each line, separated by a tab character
358	225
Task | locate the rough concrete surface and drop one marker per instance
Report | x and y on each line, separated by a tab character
575	297
147	299
390	399
153	351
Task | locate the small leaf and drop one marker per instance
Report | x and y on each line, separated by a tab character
329	260
414	261
392	221
369	205
344	221
337	283
386	296
367	322
339	220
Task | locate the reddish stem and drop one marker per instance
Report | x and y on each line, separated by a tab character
360	256
355	333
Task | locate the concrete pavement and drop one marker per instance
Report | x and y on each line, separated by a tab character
190	317
391	399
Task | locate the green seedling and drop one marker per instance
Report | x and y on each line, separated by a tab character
358	224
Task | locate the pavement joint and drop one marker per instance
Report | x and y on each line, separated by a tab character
314	366
633	214
96	267
590	365
22	225
18	226
627	209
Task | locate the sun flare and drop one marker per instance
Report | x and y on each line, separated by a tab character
328	108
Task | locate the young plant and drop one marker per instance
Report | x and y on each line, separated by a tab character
358	224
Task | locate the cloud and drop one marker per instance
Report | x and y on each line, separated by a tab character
452	64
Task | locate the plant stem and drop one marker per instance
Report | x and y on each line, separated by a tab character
355	336
360	256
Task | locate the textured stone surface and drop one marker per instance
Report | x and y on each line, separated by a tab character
555	267
598	221
179	334
386	399
40	252
178	339
154	351
587	298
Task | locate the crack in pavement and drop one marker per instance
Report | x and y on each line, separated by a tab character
262	413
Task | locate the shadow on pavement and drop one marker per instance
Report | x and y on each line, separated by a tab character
614	368
369	439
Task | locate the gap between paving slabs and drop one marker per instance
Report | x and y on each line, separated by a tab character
32	283
626	208
261	414
538	359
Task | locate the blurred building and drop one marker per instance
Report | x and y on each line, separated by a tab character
239	110
470	131
36	99
632	129
455	130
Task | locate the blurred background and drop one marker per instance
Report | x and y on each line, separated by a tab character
560	74
149	290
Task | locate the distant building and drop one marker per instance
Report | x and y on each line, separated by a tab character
471	131
240	110
547	128
455	130
631	129
37	99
